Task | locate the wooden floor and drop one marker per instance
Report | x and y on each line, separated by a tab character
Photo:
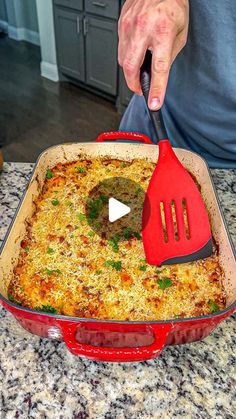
36	113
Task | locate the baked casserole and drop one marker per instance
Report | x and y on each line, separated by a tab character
65	267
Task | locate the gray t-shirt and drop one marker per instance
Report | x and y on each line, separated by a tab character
200	104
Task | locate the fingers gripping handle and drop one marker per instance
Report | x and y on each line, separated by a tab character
101	353
145	79
145	74
120	135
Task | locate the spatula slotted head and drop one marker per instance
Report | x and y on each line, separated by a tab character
176	226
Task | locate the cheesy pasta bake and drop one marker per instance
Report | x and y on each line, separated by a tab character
66	268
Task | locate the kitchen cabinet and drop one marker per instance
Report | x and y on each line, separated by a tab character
86	33
103	8
70	41
125	93
73	4
101	54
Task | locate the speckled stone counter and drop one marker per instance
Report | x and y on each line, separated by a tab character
40	379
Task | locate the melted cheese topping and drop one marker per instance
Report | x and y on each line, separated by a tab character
66	268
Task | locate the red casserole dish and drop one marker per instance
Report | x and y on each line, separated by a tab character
107	340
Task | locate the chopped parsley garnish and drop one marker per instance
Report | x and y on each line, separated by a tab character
50	251
143	268
49	174
10	298
55	202
98	224
138	190
213	306
46	308
80	216
113	242
27	249
123	165
127	233
52	271
98	272
164	283
117	265
137	235
114	246
94	208
91	233
80	169
104	198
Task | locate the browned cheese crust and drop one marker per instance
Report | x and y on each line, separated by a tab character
65	268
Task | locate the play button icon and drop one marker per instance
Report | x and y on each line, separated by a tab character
114	209
117	210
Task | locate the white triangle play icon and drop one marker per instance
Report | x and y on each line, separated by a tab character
117	209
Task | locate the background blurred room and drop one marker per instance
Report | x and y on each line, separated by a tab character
59	76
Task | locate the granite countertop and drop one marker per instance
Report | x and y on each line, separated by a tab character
41	379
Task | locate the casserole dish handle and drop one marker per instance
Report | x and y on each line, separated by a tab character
115	354
121	135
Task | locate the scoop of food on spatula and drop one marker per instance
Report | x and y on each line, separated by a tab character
175	223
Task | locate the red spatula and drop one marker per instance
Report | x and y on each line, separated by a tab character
176	227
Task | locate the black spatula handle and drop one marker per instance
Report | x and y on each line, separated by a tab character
145	79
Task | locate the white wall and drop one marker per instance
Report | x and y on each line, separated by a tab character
3	12
32	20
27	14
20	19
47	39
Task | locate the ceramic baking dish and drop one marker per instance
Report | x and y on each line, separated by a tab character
108	340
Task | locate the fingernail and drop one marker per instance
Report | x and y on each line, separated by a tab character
155	103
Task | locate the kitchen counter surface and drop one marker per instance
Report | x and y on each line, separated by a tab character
41	379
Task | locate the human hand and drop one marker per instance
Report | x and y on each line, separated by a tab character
158	25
